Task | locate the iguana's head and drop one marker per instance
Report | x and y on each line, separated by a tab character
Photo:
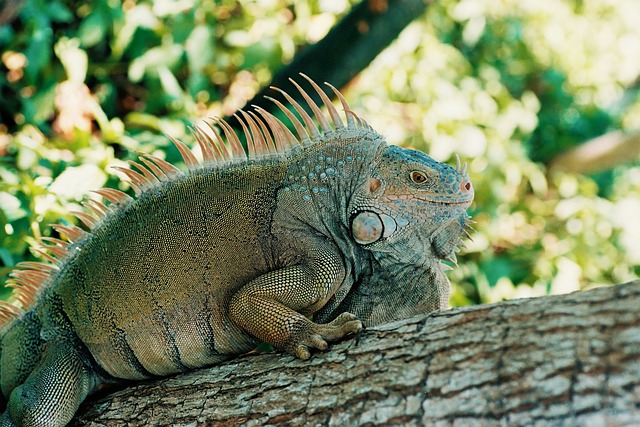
411	209
409	213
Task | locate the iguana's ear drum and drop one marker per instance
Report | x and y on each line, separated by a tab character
368	227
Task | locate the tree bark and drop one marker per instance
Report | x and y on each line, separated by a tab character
558	360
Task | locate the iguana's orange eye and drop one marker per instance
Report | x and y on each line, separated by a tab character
418	177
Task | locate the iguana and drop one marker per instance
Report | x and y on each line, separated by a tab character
296	243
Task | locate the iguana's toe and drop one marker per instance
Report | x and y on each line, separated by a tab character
302	352
318	336
318	342
313	341
343	325
344	318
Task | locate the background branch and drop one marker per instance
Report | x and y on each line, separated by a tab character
601	153
346	50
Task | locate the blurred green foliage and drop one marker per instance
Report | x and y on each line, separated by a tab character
505	84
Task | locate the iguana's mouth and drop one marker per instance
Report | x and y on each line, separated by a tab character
466	202
394	198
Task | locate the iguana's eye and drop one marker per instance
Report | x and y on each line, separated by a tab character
418	177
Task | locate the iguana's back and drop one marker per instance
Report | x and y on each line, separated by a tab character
174	256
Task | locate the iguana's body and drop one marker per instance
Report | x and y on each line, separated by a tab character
207	264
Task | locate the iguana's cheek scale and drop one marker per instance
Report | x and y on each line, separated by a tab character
390	225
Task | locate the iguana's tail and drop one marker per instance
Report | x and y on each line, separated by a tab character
20	351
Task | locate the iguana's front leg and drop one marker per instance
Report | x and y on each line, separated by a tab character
272	307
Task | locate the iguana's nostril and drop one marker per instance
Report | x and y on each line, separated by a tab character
465	186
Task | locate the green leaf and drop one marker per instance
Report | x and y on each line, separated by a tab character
266	51
200	48
166	55
93	28
38	51
141	16
43	102
58	12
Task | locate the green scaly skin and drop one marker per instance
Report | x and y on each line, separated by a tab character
296	250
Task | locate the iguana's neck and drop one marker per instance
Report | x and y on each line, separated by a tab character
321	180
394	292
401	282
316	194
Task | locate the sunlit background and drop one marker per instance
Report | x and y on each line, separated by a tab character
508	85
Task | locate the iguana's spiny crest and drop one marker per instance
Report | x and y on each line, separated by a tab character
382	212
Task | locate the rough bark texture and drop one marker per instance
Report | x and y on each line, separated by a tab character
560	360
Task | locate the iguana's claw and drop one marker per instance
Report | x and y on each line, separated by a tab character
317	336
359	335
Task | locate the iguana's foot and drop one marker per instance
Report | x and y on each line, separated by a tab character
318	336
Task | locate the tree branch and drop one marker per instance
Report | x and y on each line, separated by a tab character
345	51
564	360
601	153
